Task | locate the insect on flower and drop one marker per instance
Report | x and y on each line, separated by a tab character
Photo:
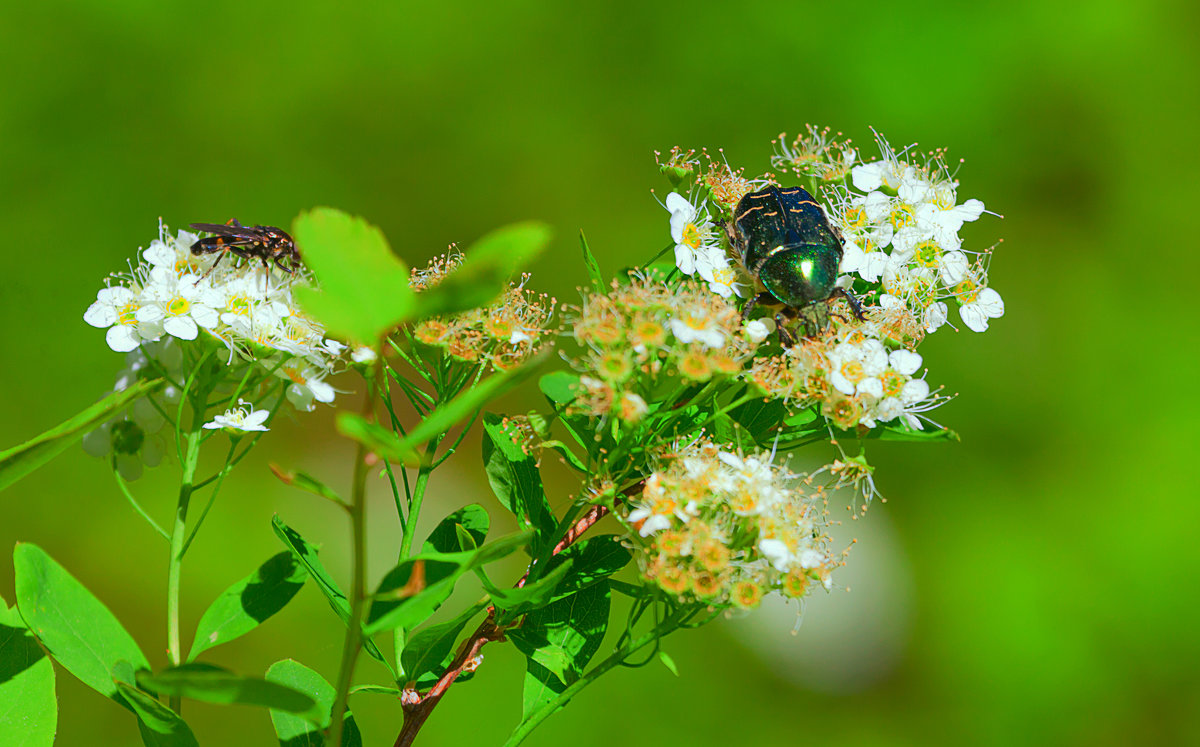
786	243
267	243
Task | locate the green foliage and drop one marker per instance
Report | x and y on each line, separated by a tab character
310	484
249	602
430	651
558	641
589	261
212	684
364	289
489	263
390	446
306	554
305	729
77	629
448	535
514	601
516	481
28	709
20	460
158	724
592	560
414	589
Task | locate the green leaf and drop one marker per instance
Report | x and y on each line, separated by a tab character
594	560
158	724
489	263
28	709
589	261
211	684
559	640
388	445
560	387
573	461
899	432
399	603
241	607
307	555
668	662
515	600
77	629
308	483
20	460
377	438
515	480
305	730
429	652
445	537
364	289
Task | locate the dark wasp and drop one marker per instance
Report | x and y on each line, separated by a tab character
267	243
786	243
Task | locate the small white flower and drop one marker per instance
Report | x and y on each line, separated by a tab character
982	306
934	317
758	330
240	419
692	328
117	308
366	354
692	232
723	281
181	304
307	385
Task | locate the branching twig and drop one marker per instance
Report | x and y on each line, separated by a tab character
417	707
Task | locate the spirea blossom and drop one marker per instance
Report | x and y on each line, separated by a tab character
726	528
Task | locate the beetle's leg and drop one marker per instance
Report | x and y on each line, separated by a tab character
786	339
753	302
855	304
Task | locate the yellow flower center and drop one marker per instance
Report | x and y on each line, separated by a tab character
853	371
128	314
928	253
692	235
239	305
724	276
295	375
178	306
893	384
967	291
903	216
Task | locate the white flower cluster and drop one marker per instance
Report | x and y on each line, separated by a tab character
728	528
172	293
900	225
698	248
883	382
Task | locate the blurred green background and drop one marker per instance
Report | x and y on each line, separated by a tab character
1035	584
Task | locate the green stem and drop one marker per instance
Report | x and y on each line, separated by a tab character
178	532
137	506
620	655
358	524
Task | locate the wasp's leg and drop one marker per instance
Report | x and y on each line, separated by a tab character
220	257
285	267
855	304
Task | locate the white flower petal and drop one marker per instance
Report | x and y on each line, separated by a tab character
182	327
122	338
100	315
905	361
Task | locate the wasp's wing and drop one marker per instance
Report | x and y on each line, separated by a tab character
225	229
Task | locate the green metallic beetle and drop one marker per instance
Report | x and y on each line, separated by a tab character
786	243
